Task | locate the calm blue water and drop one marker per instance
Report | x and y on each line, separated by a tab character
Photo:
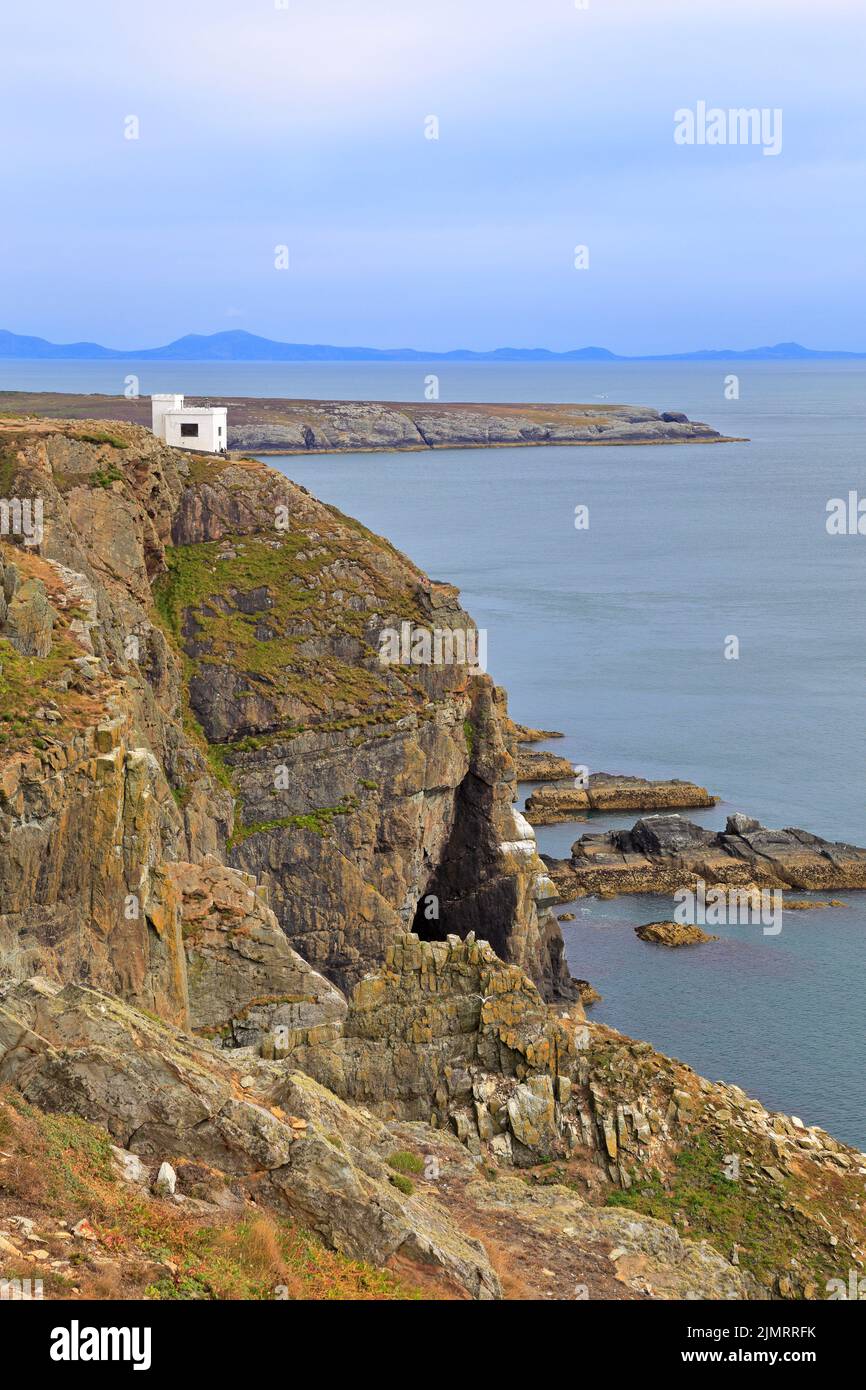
615	635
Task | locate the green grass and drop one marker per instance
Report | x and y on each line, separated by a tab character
114	440
104	477
26	682
404	1161
298	588
319	821
295	595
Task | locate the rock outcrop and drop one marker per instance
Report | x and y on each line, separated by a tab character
524	734
672	934
606	792
159	1093
661	854
542	767
243	977
447	1040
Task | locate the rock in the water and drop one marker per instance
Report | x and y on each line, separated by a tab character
604	792
661	854
523	734
588	993
673	933
542	767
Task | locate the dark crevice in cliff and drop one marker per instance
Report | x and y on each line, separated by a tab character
468	889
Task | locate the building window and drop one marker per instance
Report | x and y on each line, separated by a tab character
188	431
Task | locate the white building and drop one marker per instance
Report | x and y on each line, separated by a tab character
202	427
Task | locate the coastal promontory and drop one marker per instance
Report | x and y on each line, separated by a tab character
280	425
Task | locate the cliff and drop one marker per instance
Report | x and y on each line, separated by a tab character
269	916
219	690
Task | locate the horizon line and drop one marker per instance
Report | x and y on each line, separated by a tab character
26	347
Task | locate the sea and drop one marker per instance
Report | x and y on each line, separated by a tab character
705	624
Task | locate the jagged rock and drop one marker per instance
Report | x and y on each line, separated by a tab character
131	1167
368	799
369	816
661	854
244	979
588	994
28	621
523	734
605	1247
444	1028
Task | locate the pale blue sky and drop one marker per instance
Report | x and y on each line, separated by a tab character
305	126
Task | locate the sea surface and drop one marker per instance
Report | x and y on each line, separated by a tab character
616	635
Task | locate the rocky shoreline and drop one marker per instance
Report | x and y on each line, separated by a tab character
276	947
283	426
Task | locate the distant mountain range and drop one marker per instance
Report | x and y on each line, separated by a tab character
238	346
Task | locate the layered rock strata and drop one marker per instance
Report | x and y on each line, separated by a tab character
606	792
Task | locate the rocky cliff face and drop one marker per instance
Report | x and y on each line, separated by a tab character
211	684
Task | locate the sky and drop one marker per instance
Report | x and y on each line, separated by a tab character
304	124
